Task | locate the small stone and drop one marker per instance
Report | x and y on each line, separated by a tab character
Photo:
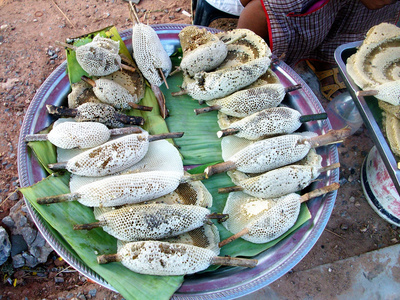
18	244
357	204
93	293
364	228
344	226
352	199
29	234
39	240
30	260
23	221
13	196
81	297
58	279
8	221
178	9
4	27
34	20
18	261
5	246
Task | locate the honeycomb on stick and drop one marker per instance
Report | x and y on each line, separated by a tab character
151	221
166	259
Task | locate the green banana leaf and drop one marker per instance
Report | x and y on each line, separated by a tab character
198	146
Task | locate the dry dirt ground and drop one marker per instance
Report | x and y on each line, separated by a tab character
28	54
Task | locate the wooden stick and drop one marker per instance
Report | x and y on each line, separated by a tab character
66	45
89	226
107	258
57	166
234	261
235	39
233	237
129	120
220	217
230	189
226	132
177	70
132	10
88	80
35	137
65	16
313	117
140	107
219	168
160	100
61	111
168	135
128	68
293	88
58	198
180	93
193	177
163	77
332	137
330	167
207	109
125	130
319	192
367	93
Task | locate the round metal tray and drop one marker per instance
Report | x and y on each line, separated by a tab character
225	282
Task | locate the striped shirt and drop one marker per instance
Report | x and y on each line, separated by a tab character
301	29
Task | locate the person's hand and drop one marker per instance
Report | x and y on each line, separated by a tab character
376	4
